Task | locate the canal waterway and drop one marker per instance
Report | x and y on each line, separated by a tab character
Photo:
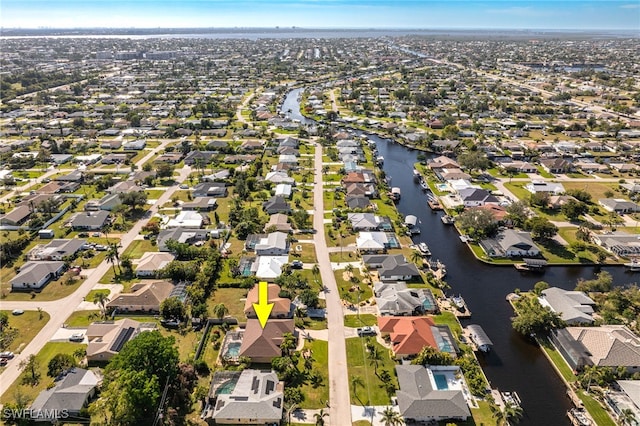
514	364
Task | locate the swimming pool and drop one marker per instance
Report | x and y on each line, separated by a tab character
233	349
227	388
441	381
443	187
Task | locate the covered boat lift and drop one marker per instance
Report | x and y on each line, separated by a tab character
479	337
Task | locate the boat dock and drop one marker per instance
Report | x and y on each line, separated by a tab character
531	265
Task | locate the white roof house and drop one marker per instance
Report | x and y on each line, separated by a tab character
270	267
550	187
574	307
371	241
186	219
284	190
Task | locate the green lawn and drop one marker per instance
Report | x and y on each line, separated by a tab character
27	326
231	298
482	415
558	361
599	414
316	396
53	291
43	358
596	189
348	289
89	297
517	188
139	247
448	318
359	366
82	318
360	320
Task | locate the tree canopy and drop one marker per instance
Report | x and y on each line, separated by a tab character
532	318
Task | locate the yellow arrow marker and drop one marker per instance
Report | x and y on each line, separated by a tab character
263	307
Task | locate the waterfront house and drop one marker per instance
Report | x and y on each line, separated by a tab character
574	307
603	346
249	397
391	267
619	243
475	197
358	202
397	299
410	334
510	243
368	222
422	399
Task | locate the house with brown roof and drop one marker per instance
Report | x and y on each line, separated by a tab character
17	216
152	262
279	221
410	334
107	338
282	307
144	297
263	344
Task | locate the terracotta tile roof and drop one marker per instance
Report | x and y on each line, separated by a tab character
408	334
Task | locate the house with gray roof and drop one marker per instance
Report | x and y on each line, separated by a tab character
368	222
391	267
398	299
35	275
602	346
249	397
619	205
210	189
67	397
274	244
108	202
475	197
619	243
276	204
181	235
510	243
574	307
358	202
420	399
89	221
56	249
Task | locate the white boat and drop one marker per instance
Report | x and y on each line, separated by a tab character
424	249
459	303
465	238
511	398
447	220
424	185
633	265
380	160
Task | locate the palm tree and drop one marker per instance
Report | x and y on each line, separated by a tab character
288	344
220	311
391	417
513	413
111	258
356	381
496	413
319	416
416	257
315	270
627	417
101	298
374	358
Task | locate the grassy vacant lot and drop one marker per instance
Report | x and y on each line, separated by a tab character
233	299
596	189
360	320
316	396
28	325
43	358
306	255
373	391
347	289
82	318
139	247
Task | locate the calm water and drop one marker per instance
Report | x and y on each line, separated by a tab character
514	364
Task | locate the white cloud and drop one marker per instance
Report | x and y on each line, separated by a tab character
630	6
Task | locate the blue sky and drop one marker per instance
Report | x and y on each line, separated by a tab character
604	14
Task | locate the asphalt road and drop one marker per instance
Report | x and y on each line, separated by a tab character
339	400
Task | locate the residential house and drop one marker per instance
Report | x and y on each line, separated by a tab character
17	216
187	219
217	176
68	398
35	275
89	221
603	346
574	307
625	395
279	177
372	242
510	243
422	400
151	262
410	334
475	197
282	307
619	243
278	222
124	186
275	244
391	267
108	203
369	222
261	345
249	397
106	338
145	296
180	235
283	190
557	201
276	204
114	158
537	187
204	204
56	249
518	166
170	157
369	190
136	145
397	299
618	205
358	202
210	189
268	268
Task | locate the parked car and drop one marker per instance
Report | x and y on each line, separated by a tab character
83	235
171	323
76	337
296	264
366	331
17	312
6	355
95	234
183	186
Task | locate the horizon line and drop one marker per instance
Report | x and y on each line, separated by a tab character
295	27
